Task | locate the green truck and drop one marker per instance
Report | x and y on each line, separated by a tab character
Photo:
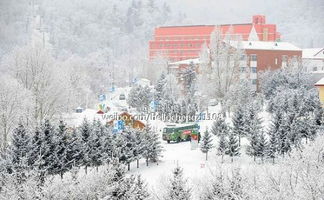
180	132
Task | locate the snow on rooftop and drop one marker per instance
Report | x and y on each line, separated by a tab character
263	45
186	62
312	53
320	82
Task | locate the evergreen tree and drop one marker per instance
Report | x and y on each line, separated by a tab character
273	146
252	122
253	128
252	149
61	148
20	151
233	148
74	150
153	147
129	148
36	148
206	144
48	148
222	146
262	146
125	188
284	145
238	123
140	191
107	145
139	146
178	189
118	147
216	191
95	148
160	88
220	127
20	146
85	133
236	186
117	182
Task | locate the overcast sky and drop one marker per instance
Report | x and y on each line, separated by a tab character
299	21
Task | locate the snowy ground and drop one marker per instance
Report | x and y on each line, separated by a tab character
193	162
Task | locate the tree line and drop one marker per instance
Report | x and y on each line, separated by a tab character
55	150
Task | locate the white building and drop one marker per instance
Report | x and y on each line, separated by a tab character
313	60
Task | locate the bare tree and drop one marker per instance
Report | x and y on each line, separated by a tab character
220	62
12	105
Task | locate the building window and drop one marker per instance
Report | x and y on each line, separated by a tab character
314	69
253	69
242	69
276	61
243	57
254	81
253	57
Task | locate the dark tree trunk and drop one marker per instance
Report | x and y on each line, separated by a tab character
137	163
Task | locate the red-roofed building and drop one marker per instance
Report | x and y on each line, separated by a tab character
185	42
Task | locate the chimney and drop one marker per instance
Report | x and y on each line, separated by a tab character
258	19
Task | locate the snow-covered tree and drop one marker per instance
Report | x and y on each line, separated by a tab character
140	190
220	127
140	97
74	150
206	143
273	146
49	147
36	71
233	148
238	123
262	146
252	148
19	152
61	149
220	63
13	102
216	189
178	189
117	181
222	146
236	186
107	145
85	137
139	146
95	148
160	88
129	148
152	148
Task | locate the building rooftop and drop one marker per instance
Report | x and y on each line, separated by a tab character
186	62
313	53
320	82
264	45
